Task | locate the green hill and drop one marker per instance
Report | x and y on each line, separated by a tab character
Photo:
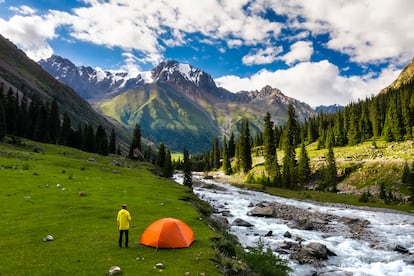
40	188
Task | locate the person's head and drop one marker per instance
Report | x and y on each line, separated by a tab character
124	206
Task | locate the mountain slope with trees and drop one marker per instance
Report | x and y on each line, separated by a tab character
26	83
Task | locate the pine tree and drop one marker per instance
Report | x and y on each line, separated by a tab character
353	133
161	156
40	132
226	161
232	146
167	169
268	143
304	170
136	142
89	143
275	174
3	127
112	142
53	122
65	130
244	147
289	160
101	141
187	170
328	179
216	154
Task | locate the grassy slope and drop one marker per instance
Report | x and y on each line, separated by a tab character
84	228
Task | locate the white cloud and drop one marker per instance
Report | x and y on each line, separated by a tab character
262	56
31	33
314	83
299	51
24	10
366	30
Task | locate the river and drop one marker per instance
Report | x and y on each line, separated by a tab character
372	254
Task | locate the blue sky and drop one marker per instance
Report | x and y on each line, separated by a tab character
319	51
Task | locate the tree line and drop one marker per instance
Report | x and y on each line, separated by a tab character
389	115
39	121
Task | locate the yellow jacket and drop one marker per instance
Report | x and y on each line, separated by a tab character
123	219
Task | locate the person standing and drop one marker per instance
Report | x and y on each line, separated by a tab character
123	220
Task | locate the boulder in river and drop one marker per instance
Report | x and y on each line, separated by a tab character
317	250
241	222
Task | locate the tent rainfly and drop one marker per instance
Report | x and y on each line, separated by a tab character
167	233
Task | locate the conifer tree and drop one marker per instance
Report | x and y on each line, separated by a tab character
328	179
275	174
304	170
53	122
216	154
161	156
65	130
40	132
101	141
244	147
353	133
3	127
232	146
226	161
11	111
89	143
187	170
268	143
289	159
112	142
167	169
136	142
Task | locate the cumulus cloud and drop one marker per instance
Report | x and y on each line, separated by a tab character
366	30
262	56
31	33
299	51
317	83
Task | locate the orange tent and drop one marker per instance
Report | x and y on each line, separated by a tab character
167	233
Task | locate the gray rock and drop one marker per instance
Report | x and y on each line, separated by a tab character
317	250
241	222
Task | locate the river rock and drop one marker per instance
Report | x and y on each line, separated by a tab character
401	249
241	222
287	234
222	222
317	250
269	234
262	212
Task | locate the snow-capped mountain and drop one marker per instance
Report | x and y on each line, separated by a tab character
90	83
179	105
172	72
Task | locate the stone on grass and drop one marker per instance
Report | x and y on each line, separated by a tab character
159	266
48	238
82	193
114	270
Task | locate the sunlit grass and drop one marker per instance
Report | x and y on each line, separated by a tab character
40	196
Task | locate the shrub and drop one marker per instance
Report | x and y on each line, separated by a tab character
264	262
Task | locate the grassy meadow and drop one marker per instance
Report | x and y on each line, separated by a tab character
84	227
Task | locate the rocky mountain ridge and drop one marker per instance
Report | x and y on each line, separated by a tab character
181	103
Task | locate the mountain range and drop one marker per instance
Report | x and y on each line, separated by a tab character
29	79
179	105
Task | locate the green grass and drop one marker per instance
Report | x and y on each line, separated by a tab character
84	228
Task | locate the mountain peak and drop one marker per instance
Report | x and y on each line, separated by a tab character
173	71
90	83
406	75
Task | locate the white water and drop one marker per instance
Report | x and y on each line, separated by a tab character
354	256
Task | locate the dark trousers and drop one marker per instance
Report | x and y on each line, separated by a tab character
121	233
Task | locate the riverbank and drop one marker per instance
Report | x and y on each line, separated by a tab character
315	238
315	197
